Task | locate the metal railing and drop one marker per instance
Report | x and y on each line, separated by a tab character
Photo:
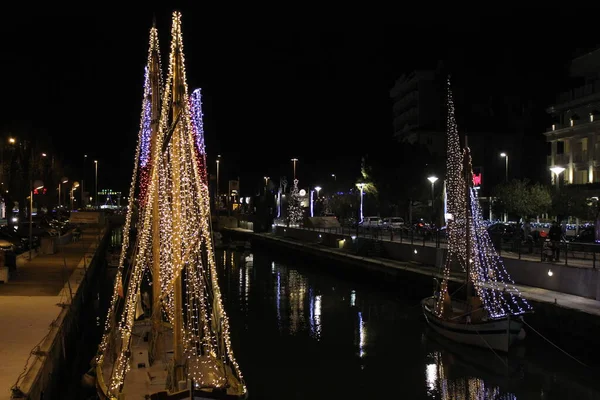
583	255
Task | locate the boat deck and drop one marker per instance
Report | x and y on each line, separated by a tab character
144	378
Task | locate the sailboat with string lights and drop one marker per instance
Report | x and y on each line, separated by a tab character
488	311
178	345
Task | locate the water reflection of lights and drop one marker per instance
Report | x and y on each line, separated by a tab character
315	315
297	293
273	267
362	335
353	298
278	298
440	386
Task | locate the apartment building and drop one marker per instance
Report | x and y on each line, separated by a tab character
419	108
574	137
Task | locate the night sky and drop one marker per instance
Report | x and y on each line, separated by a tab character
317	90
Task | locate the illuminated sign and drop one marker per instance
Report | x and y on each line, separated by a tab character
36	191
477	179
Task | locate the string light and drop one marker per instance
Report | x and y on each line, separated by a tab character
491	281
294	207
176	180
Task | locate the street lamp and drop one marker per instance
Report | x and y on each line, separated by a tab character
506	167
35	185
218	162
83	182
75	186
361	186
312	200
432	179
11	140
294	160
557	171
64	179
334	177
266	178
96	163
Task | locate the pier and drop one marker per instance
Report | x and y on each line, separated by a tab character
41	303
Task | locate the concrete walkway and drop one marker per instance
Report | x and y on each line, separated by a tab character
540	295
31	301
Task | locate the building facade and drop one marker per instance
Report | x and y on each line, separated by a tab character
419	109
574	137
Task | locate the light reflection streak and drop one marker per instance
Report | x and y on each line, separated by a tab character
278	299
314	316
362	336
353	298
296	295
441	386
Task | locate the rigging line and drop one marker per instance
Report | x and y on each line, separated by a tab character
548	340
493	351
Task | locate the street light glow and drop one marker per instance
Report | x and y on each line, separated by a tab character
44	154
502	154
432	179
317	188
11	140
557	170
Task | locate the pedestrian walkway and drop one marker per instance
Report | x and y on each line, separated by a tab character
32	301
559	299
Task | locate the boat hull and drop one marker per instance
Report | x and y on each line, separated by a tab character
499	334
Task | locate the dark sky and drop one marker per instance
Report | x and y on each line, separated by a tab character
317	90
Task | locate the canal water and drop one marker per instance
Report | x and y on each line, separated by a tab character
300	331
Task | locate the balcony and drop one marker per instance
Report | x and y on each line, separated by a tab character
580	157
561	159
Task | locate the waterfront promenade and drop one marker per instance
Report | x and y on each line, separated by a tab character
34	303
537	294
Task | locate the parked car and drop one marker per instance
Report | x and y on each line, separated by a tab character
371	222
393	223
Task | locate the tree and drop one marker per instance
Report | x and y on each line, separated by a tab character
573	201
294	213
520	197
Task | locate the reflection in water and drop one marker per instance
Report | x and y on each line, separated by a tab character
296	294
302	330
441	386
362	335
314	317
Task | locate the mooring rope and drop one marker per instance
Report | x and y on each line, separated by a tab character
493	351
548	340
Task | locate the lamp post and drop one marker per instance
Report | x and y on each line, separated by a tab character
334	177
506	165
218	162
294	160
432	179
75	186
37	185
96	196
83	182
361	186
266	178
64	179
557	171
317	189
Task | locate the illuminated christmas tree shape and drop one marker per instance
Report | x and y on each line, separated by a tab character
174	246
487	273
294	207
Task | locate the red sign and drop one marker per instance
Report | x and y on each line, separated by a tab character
36	191
477	179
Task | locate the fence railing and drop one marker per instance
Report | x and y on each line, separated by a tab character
565	252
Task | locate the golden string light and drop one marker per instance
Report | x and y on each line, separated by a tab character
177	182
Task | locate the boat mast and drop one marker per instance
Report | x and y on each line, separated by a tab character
468	180
155	98
178	87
